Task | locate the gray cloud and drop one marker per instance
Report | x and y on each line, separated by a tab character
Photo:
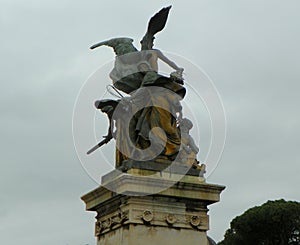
249	48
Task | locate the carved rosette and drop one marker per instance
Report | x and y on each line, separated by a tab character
195	221
199	222
171	219
147	216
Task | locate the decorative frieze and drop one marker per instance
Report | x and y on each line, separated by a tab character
154	212
110	222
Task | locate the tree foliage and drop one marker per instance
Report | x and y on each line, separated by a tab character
273	223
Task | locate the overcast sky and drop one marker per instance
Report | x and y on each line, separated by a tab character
249	48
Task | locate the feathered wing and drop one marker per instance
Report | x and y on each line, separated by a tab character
156	24
158	21
121	45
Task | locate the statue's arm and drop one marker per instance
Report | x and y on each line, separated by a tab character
165	59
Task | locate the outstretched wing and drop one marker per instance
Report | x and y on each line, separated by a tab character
121	45
156	24
158	21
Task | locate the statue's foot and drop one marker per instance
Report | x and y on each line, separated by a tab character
201	167
196	164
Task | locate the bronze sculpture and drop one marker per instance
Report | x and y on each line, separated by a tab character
154	101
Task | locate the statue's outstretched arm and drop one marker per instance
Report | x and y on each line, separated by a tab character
165	59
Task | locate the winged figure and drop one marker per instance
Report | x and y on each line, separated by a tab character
134	68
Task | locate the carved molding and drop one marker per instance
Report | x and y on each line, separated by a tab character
155	212
107	223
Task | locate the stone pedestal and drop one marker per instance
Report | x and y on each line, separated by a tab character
143	207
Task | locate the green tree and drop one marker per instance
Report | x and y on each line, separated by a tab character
273	223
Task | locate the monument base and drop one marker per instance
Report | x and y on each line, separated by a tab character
143	207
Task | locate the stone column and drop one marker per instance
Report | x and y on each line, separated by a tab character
144	207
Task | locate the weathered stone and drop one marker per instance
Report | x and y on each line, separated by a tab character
152	209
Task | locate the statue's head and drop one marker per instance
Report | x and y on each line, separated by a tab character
186	124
